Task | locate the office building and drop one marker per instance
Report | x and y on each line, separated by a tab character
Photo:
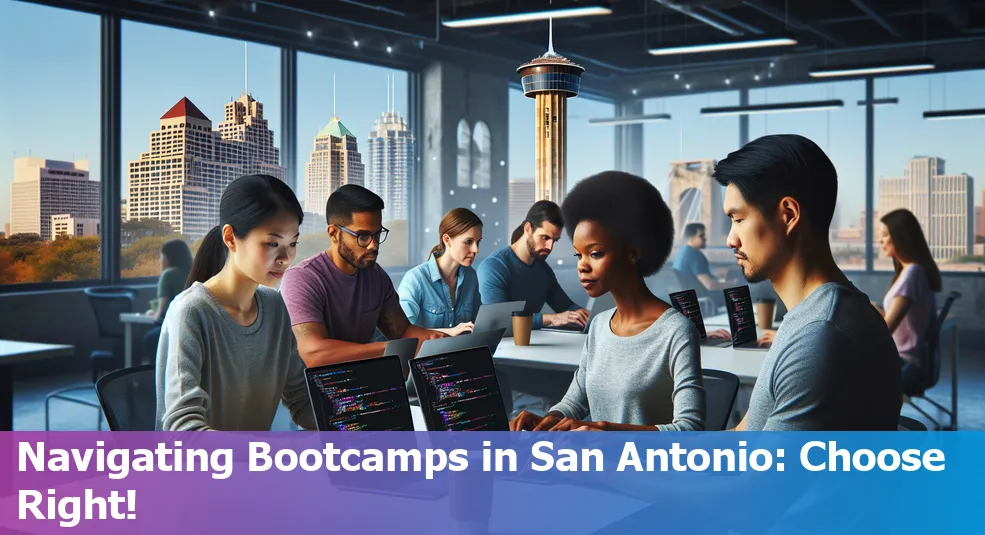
942	203
979	225
76	227
44	188
390	164
335	162
522	197
695	197
550	80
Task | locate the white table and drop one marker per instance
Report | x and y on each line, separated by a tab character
12	353
562	352
128	319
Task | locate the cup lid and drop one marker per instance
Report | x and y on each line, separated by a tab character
521	313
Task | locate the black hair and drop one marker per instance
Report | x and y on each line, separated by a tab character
693	229
246	203
348	200
630	209
178	254
540	212
785	165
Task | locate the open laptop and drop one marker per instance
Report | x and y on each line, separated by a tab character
596	306
686	302
459	391
490	339
741	320
403	349
362	395
498	316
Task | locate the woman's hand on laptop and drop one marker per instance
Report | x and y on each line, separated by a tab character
569	317
571	424
766	339
528	421
720	333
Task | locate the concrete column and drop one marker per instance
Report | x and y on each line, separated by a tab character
629	138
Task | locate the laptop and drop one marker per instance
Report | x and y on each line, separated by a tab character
596	306
459	391
404	349
490	339
686	302
498	316
362	395
741	320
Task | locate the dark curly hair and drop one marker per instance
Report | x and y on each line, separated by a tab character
630	209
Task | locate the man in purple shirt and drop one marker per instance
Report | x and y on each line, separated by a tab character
337	299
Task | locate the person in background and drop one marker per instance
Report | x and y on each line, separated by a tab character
909	307
520	272
338	298
832	365
693	264
640	368
443	293
176	263
226	355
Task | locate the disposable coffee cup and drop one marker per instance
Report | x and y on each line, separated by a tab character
523	323
765	309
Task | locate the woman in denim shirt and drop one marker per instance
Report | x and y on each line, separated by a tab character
424	290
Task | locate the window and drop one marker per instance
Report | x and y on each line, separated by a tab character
841	135
49	142
481	156
932	168
679	158
357	134
198	110
464	179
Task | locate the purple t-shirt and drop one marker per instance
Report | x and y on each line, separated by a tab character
316	291
911	334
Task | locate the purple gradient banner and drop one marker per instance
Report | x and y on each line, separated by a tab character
116	483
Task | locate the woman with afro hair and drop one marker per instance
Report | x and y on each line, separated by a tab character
640	368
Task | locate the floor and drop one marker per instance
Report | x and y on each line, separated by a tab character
29	400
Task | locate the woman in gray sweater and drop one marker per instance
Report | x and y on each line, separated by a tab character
641	365
227	356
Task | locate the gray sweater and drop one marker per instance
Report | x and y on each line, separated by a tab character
213	373
652	378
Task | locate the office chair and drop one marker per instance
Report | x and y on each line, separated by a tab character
107	303
721	388
129	399
934	364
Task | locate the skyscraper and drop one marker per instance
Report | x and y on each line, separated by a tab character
695	197
521	199
550	80
44	188
181	179
943	204
335	162
391	164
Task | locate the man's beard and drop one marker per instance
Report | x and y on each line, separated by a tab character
363	262
532	251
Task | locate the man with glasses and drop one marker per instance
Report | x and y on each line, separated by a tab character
337	299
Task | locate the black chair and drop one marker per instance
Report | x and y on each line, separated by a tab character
721	389
909	424
934	367
107	303
129	399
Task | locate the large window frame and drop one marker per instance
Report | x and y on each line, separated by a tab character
111	157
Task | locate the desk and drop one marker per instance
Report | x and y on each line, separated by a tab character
12	353
562	352
128	319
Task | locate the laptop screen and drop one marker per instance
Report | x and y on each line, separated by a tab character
363	395
459	391
686	303
742	322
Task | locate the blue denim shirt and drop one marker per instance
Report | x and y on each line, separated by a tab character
425	298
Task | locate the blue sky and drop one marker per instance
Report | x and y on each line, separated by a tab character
50	86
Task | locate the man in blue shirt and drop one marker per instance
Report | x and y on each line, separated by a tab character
520	272
691	265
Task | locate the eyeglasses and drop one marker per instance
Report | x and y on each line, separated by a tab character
365	238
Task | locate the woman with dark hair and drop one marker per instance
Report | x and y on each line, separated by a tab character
909	306
227	356
442	294
176	263
641	365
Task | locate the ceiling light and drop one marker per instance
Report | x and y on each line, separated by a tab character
529	16
630	119
355	44
687	86
723	46
212	13
756	77
635	92
784	107
864	70
389	50
885	101
310	34
941	115
728	81
677	76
